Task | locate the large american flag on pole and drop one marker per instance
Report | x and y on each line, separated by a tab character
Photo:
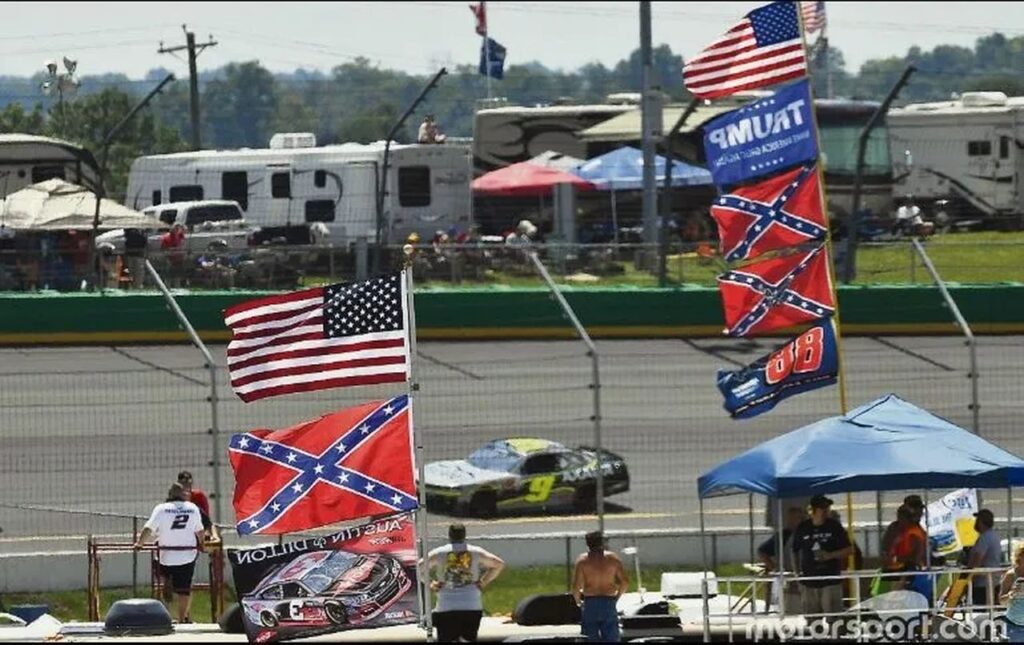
814	15
764	48
339	335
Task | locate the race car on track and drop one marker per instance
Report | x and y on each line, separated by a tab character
327	588
522	474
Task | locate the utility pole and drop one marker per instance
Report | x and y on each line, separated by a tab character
193	77
647	118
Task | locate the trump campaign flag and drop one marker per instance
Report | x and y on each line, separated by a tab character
353	463
805	363
769	135
774	294
764	48
334	336
773	214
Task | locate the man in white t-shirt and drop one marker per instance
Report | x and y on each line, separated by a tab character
176	524
464	570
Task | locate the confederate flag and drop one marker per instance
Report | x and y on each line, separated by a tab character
773	214
774	294
350	464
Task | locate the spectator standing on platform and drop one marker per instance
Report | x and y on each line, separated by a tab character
597	583
821	544
465	570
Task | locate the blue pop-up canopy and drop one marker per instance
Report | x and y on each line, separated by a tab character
623	169
887	444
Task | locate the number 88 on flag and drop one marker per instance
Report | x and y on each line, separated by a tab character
805	363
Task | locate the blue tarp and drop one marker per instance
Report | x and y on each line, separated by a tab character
623	169
888	444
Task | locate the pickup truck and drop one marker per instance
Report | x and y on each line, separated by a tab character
209	224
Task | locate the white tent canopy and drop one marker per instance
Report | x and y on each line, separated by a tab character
56	205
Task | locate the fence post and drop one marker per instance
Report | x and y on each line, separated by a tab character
964	327
568	564
214	421
595	374
135	558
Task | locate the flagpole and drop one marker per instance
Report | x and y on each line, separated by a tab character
823	193
487	48
423	577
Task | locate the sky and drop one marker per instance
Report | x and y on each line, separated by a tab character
418	37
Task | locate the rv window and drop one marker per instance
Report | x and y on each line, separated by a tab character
156	198
214	213
168	216
414	186
979	148
320	210
1004	147
185	193
235	186
320	178
281	185
42	173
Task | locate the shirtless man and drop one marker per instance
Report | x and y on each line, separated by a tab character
597	583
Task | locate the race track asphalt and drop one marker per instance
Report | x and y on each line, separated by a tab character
107	428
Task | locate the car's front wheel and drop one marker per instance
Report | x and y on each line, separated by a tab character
268	619
336	612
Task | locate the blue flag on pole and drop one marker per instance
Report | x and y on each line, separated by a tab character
762	138
492	59
805	363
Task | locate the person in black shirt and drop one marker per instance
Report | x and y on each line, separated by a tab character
821	544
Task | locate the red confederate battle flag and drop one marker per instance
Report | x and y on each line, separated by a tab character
480	11
350	464
773	214
774	294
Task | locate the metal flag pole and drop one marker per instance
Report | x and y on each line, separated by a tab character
829	268
423	575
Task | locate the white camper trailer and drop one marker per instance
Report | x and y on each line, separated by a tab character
294	183
966	150
27	159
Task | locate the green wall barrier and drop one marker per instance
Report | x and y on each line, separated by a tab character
504	312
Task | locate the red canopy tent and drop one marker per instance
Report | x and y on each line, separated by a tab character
525	179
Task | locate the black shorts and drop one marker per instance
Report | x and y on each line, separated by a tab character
453	625
179	576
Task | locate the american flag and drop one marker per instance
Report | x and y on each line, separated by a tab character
814	15
764	48
334	336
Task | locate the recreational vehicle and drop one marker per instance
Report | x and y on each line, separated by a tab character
26	159
507	135
294	183
966	150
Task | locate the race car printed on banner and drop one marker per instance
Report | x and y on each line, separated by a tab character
766	296
773	214
346	465
805	363
358	578
767	136
950	521
522	474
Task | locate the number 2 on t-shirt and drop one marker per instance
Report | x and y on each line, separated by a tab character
180	521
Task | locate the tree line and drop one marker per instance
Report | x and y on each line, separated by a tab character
244	104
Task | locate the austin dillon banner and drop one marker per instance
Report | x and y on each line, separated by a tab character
762	138
358	578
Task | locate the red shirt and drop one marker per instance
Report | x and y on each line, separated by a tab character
199	499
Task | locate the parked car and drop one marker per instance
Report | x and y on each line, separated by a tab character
523	474
327	588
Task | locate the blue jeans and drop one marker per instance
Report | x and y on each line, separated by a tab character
1014	632
600	620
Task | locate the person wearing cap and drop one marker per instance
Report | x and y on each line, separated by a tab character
985	554
465	570
821	545
892	532
178	530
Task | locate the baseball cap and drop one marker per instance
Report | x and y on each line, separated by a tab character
986	516
913	501
820	501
